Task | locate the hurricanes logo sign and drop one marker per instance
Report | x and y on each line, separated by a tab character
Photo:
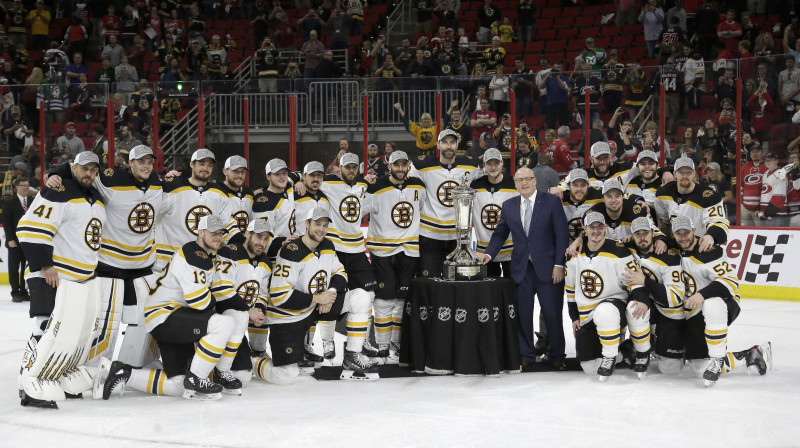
690	284
241	220
445	192
591	284
575	227
490	216
92	234
141	218
403	214
193	217
248	291
350	209
318	282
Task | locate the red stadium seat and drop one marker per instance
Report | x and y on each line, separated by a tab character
592	10
635	53
514	47
602	42
610	30
589	31
551	12
565	22
535	46
55	129
696	116
583	21
633	30
576	44
622	42
544	23
567	33
545	35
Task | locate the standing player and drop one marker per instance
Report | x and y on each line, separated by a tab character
180	314
697	201
394	203
619	212
580	199
276	202
309	284
711	305
60	237
598	301
491	191
186	200
437	222
240	195
648	181
603	168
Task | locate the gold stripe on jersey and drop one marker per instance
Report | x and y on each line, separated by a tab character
222	289
124	252
71	268
198	299
154	311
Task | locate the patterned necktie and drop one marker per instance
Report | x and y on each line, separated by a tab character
24	204
527	217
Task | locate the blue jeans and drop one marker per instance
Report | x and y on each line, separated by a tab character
523	106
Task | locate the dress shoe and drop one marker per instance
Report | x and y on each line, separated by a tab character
526	363
25	296
16	297
559	365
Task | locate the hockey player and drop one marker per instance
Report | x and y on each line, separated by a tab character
580	199
60	237
711	305
599	304
179	313
619	212
437	221
697	201
774	190
309	284
647	182
394	203
603	168
661	276
186	200
240	195
346	196
491	191
276	202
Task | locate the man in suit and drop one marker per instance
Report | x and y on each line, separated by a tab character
538	228
13	209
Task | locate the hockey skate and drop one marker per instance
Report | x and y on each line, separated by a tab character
200	388
328	349
230	384
394	354
759	359
641	363
117	374
357	367
377	354
542	345
606	368
713	370
310	355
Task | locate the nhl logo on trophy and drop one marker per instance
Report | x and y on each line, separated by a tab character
462	263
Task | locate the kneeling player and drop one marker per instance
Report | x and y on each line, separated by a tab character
598	302
179	313
712	304
308	284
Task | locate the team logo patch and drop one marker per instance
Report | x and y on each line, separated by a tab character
752	179
58	188
637	209
380	285
512	312
193	217
445	192
575	227
649	274
261	199
708	193
444	313
425	273
423	313
496	310
169	179
490	216
619	244
673	251
318	282
483	315
421	157
689	283
293	222
248	291
292	246
109	172
201	254
403	214
231	247
591	284
289	350
461	315
92	234
350	209
241	220
141	218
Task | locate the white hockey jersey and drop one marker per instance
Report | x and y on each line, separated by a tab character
774	189
305	203
595	277
241	205
486	210
575	211
624	172
394	216
347	210
664	281
299	274
438	219
709	273
236	274
620	228
703	206
184	283
63	228
278	210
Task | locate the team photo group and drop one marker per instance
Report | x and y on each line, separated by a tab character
219	285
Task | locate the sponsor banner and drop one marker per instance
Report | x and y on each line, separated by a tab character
766	262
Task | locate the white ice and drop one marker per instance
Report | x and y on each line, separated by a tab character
535	409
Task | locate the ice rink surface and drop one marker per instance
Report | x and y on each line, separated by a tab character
534	409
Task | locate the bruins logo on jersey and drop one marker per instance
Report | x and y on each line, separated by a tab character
291	246
193	216
689	283
575	227
318	282
293	223
109	172
261	199
403	214
231	246
350	209
241	220
445	192
58	188
591	284
637	209
421	157
490	216
708	193
248	291
141	218
446	69
92	234
649	274
201	254
674	251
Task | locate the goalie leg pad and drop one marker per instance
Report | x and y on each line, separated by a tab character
109	320
138	348
76	381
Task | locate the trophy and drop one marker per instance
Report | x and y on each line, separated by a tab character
461	264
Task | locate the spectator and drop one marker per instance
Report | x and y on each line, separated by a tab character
750	30
154	29
677	12
693	77
53	93
16	130
708	137
760	105
706	20
499	88
525	20
202	75
613	80
727	115
110	23
669	39
173	75
126	78
624	138
762	75
260	23
494	56
729	32
478	79
113	51
584	81
482	120
795	52
267	66
447	16
525	157
129	26
122	113
136	54
593	56
485	141
14	209
420	69
356	10
546	176
557	85
689	138
310	22
505	31
80	98
522	82
376	166
68	145
76	37
328	68
652	17
503	134
388	149
379	51
76	69
626	12
312	50
638	85
424	10
175	27
562	157
195	57
167	51
365	59
487	15
453	120
720	183
100	143
339	30
16	25
725	87
425	131
217	54
126	138
544	69
765	51
789	88
39	22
